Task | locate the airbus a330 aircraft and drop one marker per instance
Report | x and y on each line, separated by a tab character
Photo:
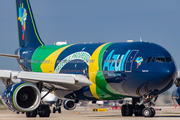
92	72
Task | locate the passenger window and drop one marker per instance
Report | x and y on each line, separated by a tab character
169	59
148	60
160	59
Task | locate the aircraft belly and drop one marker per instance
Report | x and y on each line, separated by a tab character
62	94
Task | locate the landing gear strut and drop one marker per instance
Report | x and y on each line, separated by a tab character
149	111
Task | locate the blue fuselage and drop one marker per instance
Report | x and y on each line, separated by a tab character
116	70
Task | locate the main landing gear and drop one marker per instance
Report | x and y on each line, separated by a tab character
137	110
43	111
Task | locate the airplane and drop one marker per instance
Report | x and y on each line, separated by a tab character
87	71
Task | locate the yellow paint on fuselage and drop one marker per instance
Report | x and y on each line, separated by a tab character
93	69
49	67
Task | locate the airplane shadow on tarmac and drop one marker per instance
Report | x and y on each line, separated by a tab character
106	116
167	116
171	116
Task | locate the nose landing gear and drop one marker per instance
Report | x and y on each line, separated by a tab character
148	112
57	106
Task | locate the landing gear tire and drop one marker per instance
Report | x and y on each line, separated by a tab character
45	111
31	114
153	112
127	110
54	110
139	109
148	112
59	110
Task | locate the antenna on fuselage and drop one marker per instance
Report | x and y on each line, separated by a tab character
140	39
60	43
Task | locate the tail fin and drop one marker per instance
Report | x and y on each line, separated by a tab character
28	34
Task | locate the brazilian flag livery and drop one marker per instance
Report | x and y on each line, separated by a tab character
56	59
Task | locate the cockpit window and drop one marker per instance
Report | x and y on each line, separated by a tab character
148	60
169	59
152	59
160	59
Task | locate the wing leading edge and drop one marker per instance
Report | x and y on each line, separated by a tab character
49	80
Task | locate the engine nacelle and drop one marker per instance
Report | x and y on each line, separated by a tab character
24	97
69	105
176	96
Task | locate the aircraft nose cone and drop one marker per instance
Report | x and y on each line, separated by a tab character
167	77
169	69
164	78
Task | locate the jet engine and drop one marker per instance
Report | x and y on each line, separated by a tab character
176	96
24	97
69	105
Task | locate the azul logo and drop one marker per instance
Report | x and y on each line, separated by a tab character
22	18
115	62
139	60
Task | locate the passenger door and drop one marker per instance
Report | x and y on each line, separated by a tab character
129	60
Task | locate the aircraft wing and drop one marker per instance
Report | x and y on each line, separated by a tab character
49	80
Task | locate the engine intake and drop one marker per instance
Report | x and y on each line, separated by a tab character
176	96
69	105
21	97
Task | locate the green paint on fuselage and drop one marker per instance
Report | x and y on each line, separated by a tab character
41	53
102	85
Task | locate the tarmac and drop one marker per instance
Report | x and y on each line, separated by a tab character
87	113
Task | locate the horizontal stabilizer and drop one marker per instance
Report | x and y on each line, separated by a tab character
8	55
